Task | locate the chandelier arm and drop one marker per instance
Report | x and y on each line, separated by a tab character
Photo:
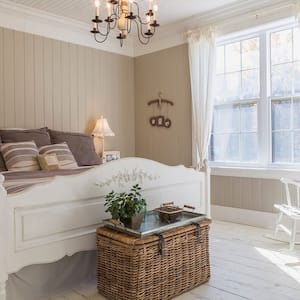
128	26
100	41
102	34
140	36
140	20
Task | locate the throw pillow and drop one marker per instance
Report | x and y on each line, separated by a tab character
20	156
63	153
81	145
49	161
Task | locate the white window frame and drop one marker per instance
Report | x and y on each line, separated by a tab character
264	168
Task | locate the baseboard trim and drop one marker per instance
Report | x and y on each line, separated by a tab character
243	216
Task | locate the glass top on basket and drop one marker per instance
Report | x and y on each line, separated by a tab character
153	224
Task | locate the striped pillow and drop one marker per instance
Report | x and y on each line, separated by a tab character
21	156
63	153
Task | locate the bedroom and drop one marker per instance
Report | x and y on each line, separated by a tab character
54	74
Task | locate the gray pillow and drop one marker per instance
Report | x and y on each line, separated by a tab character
40	136
2	163
81	145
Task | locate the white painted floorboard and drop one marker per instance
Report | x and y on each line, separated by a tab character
244	265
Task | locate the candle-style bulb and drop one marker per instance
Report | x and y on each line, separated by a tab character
155	9
97	5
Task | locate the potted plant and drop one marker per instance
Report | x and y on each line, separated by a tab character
129	208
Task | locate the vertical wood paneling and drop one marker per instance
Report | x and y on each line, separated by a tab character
82	71
39	93
247	193
2	121
65	71
89	88
57	85
29	82
19	51
9	79
73	88
48	82
44	82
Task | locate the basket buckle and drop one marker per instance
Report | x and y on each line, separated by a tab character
198	231
162	244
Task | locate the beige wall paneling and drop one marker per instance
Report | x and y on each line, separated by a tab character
2	112
57	86
9	82
81	89
166	71
74	109
247	193
29	121
19	51
44	82
48	82
65	71
39	81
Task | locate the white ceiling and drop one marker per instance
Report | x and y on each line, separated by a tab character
169	10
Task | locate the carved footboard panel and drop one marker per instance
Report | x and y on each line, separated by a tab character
51	220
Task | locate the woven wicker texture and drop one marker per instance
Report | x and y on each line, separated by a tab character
131	268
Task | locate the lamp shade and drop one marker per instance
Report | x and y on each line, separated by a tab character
102	128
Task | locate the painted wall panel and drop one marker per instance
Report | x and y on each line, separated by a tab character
45	82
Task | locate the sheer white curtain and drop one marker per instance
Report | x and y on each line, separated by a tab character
202	60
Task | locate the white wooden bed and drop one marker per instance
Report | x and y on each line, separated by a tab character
48	221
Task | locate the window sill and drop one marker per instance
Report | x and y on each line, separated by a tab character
248	172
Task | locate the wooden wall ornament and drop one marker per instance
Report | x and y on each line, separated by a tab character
160	120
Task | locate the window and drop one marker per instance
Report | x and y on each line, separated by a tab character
238	90
285	92
257	106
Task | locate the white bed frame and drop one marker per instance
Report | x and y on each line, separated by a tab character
48	221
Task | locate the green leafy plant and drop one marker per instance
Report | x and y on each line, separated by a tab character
123	206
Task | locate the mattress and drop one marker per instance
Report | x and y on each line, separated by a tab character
17	181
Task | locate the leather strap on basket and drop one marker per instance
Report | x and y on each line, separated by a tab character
162	244
198	231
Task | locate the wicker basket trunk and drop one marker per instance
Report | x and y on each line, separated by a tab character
154	267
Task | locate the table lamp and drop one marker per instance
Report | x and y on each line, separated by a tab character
101	130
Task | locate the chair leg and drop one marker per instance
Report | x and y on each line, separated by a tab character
293	235
279	217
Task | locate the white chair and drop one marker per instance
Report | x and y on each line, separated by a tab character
291	209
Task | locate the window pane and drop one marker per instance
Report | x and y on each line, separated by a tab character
282	147
296	113
233	86
281	115
250	84
248	117
226	147
220	89
297	78
249	147
281	46
296	35
233	57
250	54
226	119
282	78
220	60
297	147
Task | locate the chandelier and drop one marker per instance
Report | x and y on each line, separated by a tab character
123	15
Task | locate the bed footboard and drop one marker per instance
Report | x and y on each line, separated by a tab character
58	218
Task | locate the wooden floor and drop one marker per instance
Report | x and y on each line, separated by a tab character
244	265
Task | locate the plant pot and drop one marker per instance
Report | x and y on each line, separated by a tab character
134	222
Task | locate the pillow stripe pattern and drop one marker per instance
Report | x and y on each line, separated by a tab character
63	153
21	156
